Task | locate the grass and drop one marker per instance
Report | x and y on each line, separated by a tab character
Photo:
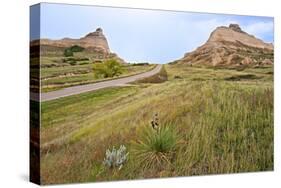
63	116
57	73
81	74
220	126
234	133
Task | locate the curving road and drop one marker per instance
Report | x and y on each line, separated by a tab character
95	86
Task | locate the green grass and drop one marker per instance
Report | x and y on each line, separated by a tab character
61	117
234	132
56	74
222	126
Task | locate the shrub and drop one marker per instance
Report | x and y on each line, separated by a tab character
67	52
156	146
115	158
72	62
177	77
140	64
109	68
76	48
242	77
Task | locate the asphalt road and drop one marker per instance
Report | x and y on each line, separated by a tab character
95	86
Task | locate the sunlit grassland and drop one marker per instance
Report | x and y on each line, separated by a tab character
223	125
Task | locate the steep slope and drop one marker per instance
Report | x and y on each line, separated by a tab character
231	46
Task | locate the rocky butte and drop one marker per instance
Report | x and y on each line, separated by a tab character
231	46
93	42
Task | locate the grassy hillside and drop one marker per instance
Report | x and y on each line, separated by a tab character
59	71
211	121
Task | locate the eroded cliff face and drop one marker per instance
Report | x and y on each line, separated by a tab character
231	46
233	33
94	43
95	40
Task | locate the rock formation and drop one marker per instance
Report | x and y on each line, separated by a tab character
94	40
94	43
231	46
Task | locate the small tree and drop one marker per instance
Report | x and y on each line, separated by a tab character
108	68
76	48
68	52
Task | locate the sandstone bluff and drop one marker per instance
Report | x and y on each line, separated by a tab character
93	43
231	46
95	40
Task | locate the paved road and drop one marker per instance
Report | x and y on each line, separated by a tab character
95	86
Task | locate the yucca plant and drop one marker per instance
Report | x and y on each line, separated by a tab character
156	147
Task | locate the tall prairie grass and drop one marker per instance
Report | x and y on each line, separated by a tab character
219	126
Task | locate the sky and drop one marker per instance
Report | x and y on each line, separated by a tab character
139	35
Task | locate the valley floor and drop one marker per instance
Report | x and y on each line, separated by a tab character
223	120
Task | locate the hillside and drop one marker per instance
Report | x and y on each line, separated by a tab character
231	46
223	119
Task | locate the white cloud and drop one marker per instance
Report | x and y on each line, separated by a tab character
260	29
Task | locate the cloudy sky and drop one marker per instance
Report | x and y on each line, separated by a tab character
138	35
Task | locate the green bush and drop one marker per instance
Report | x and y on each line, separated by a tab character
155	148
108	68
72	62
67	52
76	48
140	64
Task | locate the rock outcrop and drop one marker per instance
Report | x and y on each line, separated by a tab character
95	40
231	46
94	43
236	27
